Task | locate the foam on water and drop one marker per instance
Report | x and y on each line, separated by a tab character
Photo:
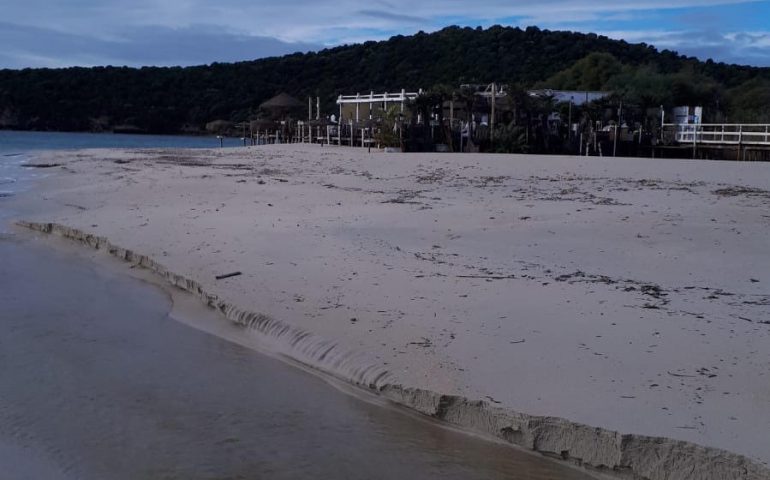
14	177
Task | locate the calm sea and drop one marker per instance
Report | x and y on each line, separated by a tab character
12	142
16	148
98	382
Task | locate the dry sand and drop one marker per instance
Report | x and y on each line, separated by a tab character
627	294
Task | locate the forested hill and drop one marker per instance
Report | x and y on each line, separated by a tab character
166	100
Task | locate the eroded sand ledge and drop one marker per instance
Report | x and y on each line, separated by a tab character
599	450
627	294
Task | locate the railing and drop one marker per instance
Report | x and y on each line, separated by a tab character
401	96
721	133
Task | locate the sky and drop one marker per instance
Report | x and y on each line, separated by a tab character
61	33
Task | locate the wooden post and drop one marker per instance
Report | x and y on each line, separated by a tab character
598	127
662	122
694	140
615	142
339	126
358	108
309	108
492	115
317	108
351	133
461	136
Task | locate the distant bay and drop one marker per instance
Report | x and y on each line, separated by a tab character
15	142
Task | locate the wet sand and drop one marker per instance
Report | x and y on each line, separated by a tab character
97	381
556	286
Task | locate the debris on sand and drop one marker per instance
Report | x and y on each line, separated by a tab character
740	190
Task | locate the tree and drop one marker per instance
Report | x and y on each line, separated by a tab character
590	73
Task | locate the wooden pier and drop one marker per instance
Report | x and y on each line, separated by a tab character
725	141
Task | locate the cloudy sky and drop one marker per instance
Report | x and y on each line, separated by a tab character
57	33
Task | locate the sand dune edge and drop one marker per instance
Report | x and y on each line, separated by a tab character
602	451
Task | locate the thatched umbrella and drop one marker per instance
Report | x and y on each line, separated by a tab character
280	105
262	124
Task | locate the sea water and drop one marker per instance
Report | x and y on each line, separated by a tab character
16	148
97	381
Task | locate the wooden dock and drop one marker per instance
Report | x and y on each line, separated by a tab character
726	141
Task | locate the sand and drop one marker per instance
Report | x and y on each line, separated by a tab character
627	294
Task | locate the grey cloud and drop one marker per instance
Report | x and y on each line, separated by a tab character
32	46
394	17
741	48
169	32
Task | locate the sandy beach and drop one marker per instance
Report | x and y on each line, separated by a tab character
627	294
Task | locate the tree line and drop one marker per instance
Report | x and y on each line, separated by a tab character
183	100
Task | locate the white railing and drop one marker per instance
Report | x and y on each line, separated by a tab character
372	97
722	133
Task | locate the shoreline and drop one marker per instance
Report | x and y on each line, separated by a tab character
597	450
174	411
112	194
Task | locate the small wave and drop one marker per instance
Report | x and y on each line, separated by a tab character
14	161
7	180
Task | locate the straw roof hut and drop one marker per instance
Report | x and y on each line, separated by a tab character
262	124
281	105
282	100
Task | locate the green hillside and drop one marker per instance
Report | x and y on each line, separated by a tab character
167	100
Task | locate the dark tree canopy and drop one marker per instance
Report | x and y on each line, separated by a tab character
171	100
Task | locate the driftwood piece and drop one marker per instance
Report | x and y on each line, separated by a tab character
487	277
227	275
